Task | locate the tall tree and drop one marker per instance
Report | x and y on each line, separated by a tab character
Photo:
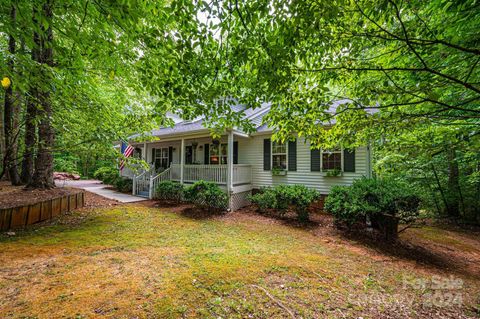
10	109
43	176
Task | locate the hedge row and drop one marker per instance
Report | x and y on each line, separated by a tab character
202	194
282	198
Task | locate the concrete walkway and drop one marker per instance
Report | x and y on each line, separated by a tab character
98	188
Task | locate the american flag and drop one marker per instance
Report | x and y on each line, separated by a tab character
127	150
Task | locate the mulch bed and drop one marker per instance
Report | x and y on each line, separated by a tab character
13	196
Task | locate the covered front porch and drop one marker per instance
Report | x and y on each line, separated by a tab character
191	158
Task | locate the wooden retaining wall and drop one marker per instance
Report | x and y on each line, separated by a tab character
21	216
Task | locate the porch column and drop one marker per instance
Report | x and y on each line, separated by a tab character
230	163
182	159
144	155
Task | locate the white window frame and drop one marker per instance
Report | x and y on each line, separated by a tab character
161	149
286	155
327	151
220	156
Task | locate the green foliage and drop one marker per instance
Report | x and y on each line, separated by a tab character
66	163
206	195
283	197
333	172
107	174
371	197
169	190
123	184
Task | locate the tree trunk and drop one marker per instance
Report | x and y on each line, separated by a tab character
453	195
2	143
439	185
30	139
43	176
31	113
11	105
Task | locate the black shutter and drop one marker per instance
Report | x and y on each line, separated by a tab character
292	155
170	155
235	152
153	156
267	151
206	154
349	160
315	160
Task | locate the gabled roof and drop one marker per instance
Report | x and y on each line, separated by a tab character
254	115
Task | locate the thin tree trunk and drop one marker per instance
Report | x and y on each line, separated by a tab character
43	176
432	192
10	156
445	202
477	204
453	184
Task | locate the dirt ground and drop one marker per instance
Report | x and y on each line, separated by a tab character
12	196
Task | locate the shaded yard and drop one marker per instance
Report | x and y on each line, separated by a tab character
134	261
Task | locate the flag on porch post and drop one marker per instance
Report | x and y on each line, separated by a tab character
127	151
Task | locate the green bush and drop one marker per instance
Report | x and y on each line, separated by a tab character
124	185
107	174
368	197
283	197
66	163
206	195
169	190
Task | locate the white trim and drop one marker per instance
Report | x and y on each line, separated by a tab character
229	163
219	153
182	159
341	159
271	154
161	157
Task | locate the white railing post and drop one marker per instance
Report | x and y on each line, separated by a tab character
182	159
230	168
134	186
150	188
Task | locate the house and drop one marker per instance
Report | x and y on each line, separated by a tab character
240	162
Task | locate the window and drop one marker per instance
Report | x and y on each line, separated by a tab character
279	155
332	160
218	153
161	158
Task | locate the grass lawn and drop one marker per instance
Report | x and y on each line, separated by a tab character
144	262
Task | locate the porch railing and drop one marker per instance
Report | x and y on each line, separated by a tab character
141	183
163	176
242	173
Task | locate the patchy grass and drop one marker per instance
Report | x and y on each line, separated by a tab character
134	261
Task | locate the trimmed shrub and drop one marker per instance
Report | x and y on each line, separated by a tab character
284	197
107	174
169	190
265	199
124	185
206	195
375	199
